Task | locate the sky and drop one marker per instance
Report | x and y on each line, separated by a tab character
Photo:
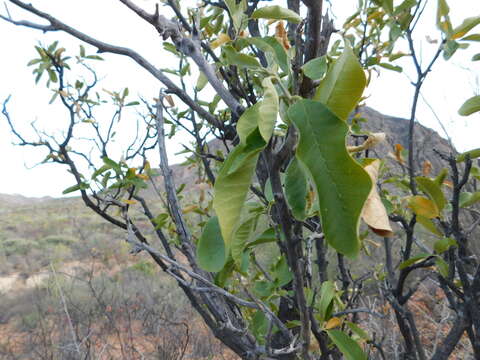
447	87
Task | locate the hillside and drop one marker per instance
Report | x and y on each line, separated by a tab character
56	254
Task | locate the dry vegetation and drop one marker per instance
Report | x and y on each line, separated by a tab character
68	291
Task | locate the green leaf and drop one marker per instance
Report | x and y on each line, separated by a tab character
442	266
315	68
467	25
240	238
233	182
470	106
201	82
267	236
471	154
81	186
349	347
262	115
112	164
406	5
268	109
211	254
271	45
451	46
433	190
327	294
237	12
413	260
442	245
100	171
429	225
296	189
282	273
233	57
362	334
473	37
342	184
476	57
391	67
342	87
278	13
468	199
82	51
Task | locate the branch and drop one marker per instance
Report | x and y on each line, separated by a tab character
56	25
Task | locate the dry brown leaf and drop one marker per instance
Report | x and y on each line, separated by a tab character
372	140
222	39
170	100
374	213
426	168
281	35
333	323
398	153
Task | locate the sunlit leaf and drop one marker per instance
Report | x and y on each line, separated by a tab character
470	106
343	85
278	13
233	182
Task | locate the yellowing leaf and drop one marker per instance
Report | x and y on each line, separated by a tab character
129	201
398	153
333	323
222	39
467	25
423	207
374	213
189	208
142	176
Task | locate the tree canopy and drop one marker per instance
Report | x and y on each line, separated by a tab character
284	243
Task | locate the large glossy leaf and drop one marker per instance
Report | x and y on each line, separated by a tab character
211	254
296	189
233	182
342	184
278	13
374	212
342	87
470	106
349	347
